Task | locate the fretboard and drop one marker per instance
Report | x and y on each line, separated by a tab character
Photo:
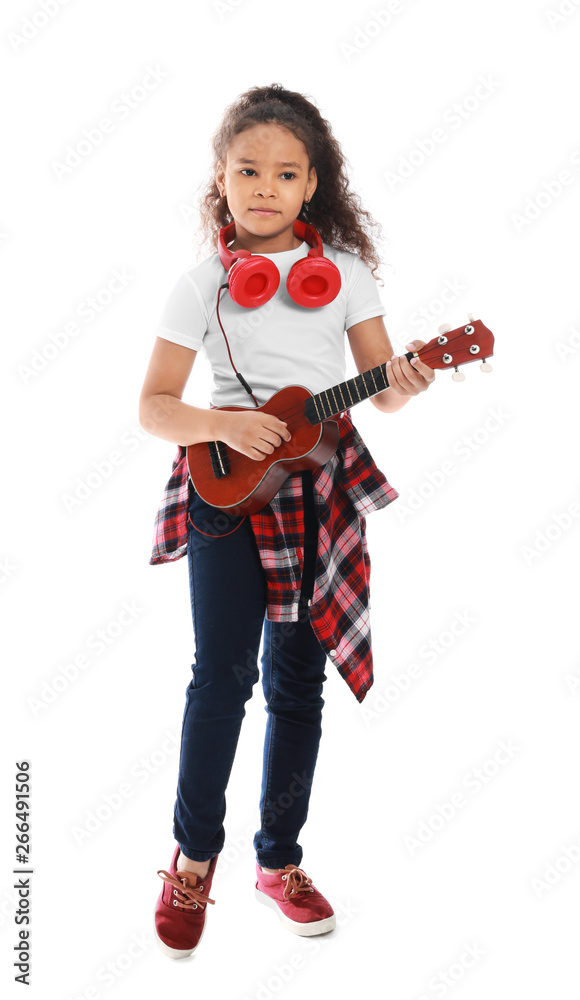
330	401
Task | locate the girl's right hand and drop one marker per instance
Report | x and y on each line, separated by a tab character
255	435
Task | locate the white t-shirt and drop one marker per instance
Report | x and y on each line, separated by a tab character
278	344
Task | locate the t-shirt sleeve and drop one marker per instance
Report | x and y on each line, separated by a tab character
184	317
362	294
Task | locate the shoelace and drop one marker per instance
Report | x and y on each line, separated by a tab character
188	896
296	881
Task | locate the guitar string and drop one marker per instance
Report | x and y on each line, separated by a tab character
237	457
425	357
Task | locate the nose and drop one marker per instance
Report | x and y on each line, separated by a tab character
265	190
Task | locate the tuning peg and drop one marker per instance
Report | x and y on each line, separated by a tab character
471	317
458	376
486	367
445	328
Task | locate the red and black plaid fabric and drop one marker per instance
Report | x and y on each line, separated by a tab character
347	488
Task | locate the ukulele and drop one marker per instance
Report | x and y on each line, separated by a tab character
232	482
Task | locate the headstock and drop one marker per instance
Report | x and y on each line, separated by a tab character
451	348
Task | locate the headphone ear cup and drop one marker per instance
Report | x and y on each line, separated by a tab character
313	282
253	281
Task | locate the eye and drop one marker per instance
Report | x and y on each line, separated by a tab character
287	173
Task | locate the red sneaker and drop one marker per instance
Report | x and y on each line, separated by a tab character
300	906
180	910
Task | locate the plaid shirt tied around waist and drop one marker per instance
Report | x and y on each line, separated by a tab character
347	488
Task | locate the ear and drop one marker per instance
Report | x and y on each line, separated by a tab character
312	182
220	174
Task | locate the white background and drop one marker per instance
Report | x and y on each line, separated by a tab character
492	541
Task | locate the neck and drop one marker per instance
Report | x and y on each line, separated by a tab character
264	245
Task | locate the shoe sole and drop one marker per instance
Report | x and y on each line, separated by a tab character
177	952
305	930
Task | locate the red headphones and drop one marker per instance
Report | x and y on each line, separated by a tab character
312	281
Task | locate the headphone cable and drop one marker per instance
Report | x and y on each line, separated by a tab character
238	374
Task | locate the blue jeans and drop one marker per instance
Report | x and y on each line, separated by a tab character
228	601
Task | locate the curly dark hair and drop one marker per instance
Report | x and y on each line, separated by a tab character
334	210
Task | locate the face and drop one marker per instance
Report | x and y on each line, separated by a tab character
265	195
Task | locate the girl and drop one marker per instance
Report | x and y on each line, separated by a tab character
296	571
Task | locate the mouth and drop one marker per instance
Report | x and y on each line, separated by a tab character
263	211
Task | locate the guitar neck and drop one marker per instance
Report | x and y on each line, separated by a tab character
340	397
451	348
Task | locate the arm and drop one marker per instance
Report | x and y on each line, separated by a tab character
370	346
163	413
161	410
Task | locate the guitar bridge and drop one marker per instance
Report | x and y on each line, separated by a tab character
219	459
310	412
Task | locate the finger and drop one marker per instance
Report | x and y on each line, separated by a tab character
398	378
267	444
407	377
282	429
422	369
416	363
275	438
393	376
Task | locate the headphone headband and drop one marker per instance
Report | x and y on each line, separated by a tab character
303	230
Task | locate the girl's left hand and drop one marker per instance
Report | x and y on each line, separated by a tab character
408	378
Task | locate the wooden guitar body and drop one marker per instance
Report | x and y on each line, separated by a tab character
232	482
